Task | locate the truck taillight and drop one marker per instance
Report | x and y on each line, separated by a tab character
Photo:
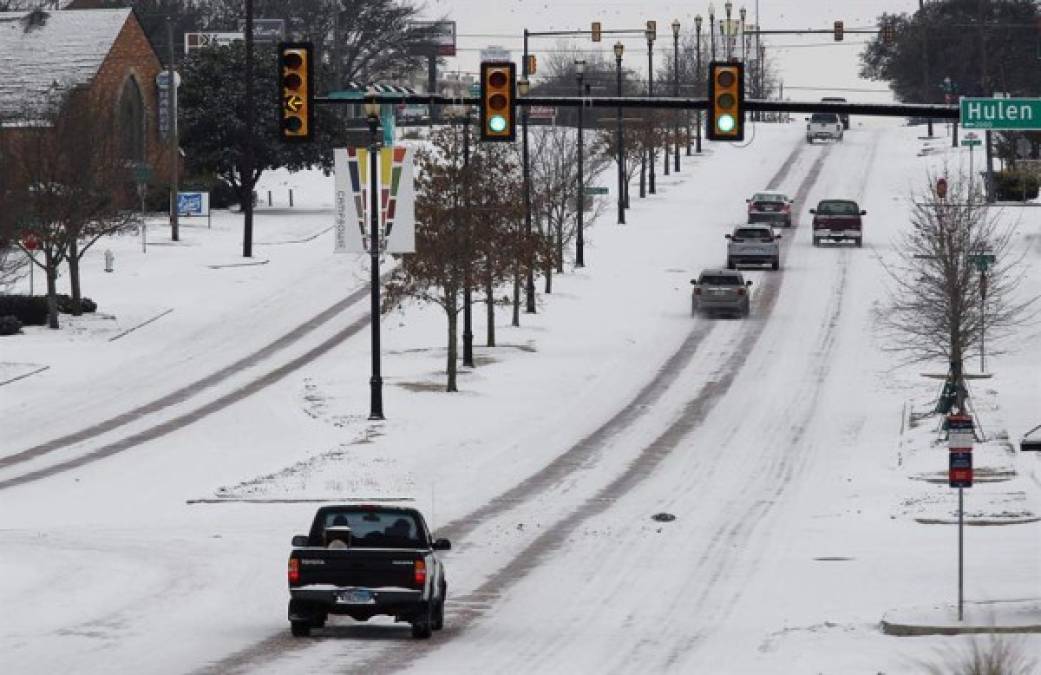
294	571
740	291
697	291
420	573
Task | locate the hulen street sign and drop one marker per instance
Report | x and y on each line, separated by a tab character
1001	113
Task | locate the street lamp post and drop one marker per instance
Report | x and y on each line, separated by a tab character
741	13
372	112
652	155
618	49
728	6
712	29
580	68
697	73
529	290
676	87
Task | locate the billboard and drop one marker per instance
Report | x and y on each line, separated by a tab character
443	35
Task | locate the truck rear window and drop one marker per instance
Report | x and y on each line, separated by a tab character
824	118
838	208
377	528
753	233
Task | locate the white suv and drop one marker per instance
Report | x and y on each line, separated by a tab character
824	126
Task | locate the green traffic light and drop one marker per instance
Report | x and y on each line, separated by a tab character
497	123
725	123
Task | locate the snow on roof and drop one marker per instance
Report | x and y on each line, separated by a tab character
29	5
44	52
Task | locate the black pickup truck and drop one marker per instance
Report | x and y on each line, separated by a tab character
364	560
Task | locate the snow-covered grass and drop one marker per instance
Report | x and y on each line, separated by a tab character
796	493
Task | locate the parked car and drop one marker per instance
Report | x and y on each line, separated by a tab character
364	560
717	290
838	220
842	116
770	207
753	245
824	126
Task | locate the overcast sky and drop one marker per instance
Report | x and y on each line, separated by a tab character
805	61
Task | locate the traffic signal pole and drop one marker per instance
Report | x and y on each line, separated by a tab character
529	285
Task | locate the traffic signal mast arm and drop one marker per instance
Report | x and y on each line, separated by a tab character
938	111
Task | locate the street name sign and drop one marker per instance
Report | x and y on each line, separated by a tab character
1001	113
595	190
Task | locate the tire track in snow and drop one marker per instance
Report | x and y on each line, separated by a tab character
475	603
188	391
553	539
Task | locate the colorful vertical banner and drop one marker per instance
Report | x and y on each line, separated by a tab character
396	194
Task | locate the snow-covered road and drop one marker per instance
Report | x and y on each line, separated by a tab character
769	439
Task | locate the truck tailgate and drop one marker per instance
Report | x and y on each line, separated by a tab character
370	568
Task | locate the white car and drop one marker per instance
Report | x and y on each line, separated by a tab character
824	126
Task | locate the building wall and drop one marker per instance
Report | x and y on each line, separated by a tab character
132	56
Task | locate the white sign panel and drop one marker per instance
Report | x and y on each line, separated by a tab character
402	236
348	237
207	40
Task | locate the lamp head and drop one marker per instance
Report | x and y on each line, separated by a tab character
618	49
697	23
580	66
523	86
675	27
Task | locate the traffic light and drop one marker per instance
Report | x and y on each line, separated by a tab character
838	31
532	63
498	101
726	101
596	31
888	34
296	91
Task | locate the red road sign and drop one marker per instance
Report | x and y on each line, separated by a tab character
959	474
29	243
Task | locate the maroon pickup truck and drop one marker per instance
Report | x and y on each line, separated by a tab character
838	220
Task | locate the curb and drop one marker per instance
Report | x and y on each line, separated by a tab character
912	630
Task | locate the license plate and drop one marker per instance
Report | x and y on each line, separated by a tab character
355	598
769	207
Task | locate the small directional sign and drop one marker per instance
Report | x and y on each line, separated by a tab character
960	470
595	190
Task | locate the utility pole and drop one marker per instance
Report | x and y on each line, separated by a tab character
650	94
171	130
247	160
925	62
618	49
580	67
468	333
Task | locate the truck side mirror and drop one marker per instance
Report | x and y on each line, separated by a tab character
863	213
728	236
748	283
299	540
693	282
442	545
777	236
813	211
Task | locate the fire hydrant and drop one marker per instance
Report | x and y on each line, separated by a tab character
109	259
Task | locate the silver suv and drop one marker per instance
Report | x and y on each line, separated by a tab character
719	290
753	245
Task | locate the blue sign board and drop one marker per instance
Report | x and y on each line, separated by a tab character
193	204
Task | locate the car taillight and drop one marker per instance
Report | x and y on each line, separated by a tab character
420	573
740	291
697	291
294	571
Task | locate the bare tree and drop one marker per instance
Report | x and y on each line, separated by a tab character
942	305
460	221
68	185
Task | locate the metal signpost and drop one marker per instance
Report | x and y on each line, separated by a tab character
982	260
960	439
142	176
1001	114
971	141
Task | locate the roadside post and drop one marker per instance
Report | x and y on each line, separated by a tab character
960	439
30	244
971	141
142	174
982	260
